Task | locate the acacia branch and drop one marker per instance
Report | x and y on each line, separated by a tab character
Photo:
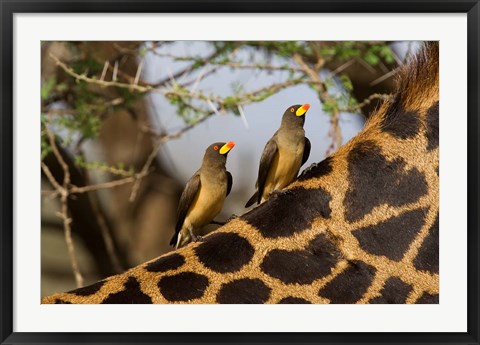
55	184
334	132
237	65
367	101
200	61
64	194
103	83
180	91
100	186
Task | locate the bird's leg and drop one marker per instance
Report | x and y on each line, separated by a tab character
190	230
195	238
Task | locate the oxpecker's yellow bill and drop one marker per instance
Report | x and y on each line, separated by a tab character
302	110
227	147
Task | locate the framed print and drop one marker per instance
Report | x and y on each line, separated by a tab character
284	172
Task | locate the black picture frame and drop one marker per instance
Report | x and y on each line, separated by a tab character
10	7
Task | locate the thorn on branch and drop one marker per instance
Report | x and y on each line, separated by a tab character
384	77
139	71
242	115
215	110
105	68
115	71
103	83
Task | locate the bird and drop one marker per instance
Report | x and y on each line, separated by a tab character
204	194
283	155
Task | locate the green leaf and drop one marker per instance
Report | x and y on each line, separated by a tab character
341	51
329	83
47	88
230	102
62	87
45	148
352	101
330	106
387	54
346	82
328	51
197	63
371	58
143	51
92	66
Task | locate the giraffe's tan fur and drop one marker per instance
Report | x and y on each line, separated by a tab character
418	91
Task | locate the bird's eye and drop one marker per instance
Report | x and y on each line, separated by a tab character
215	148
292	110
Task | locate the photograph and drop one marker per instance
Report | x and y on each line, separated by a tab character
239	172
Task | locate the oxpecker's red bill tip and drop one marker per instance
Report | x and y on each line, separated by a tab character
302	110
227	147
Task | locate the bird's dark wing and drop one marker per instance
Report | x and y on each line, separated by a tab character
306	150
229	182
268	155
188	196
252	199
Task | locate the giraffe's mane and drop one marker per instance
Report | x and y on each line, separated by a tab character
419	76
416	88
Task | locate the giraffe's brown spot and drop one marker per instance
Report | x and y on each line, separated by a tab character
350	285
61	301
289	212
130	295
395	291
427	257
302	266
244	291
88	290
432	127
323	247
323	168
427	298
224	252
376	181
183	286
401	123
295	267
392	237
166	263
293	300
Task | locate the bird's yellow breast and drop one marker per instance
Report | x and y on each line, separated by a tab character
284	168
207	204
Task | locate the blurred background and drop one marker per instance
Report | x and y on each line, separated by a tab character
126	124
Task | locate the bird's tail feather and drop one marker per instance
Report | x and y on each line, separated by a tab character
252	200
179	239
174	239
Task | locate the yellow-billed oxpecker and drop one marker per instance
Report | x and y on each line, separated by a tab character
203	196
283	154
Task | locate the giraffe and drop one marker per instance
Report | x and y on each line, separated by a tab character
361	226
